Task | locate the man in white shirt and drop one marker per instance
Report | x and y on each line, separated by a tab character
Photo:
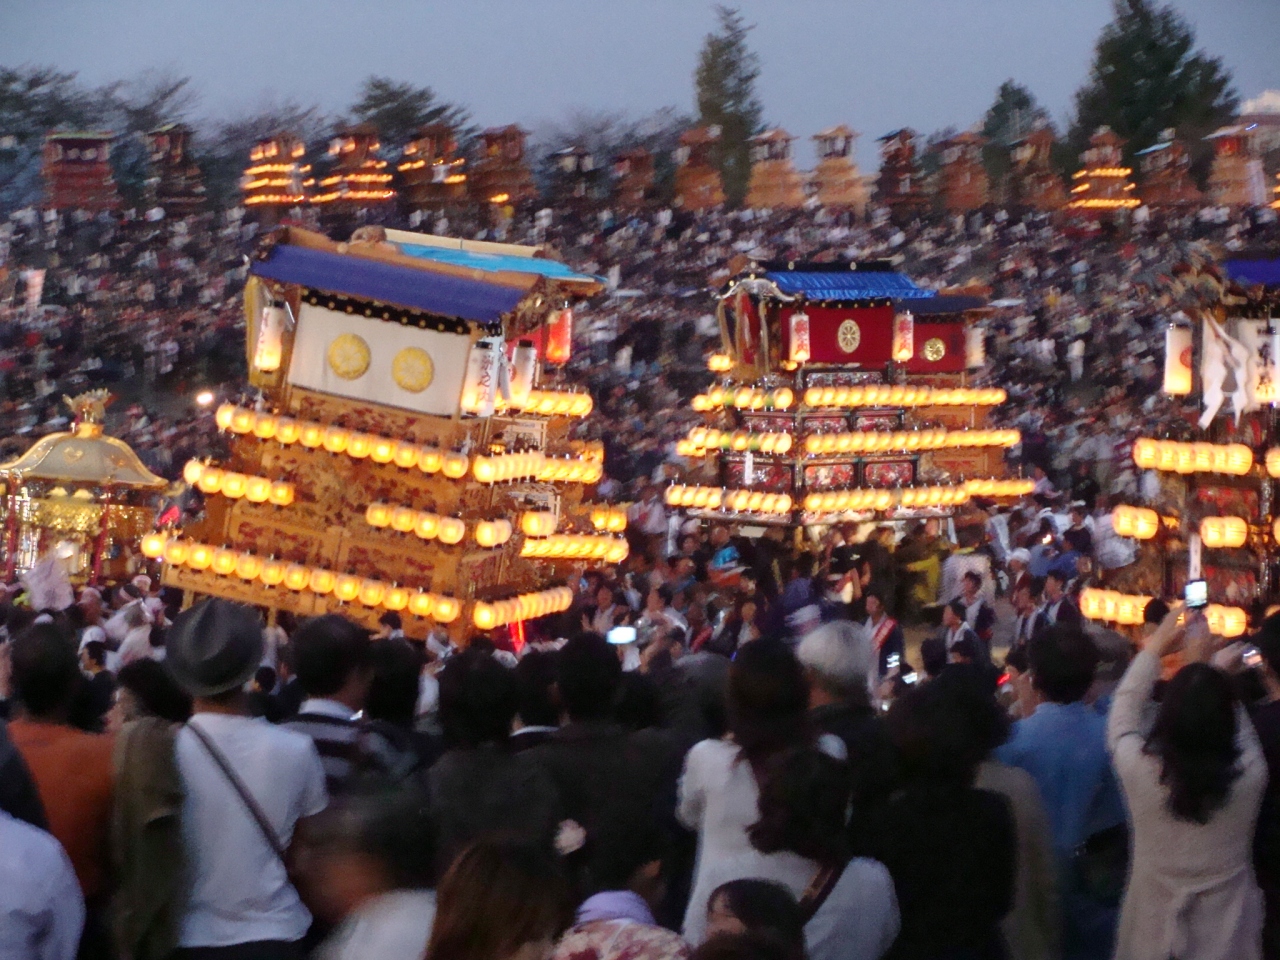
41	909
241	901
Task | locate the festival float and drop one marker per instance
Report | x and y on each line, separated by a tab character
81	494
405	442
845	392
1216	516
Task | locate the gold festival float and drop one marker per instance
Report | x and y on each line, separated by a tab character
406	444
79	493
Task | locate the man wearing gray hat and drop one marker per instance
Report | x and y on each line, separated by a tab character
247	784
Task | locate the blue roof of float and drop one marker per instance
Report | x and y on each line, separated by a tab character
1255	272
552	269
438	293
848	285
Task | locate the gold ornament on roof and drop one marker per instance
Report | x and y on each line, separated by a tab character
413	370
349	356
934	349
849	336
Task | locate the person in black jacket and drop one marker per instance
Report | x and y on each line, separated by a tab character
18	795
949	847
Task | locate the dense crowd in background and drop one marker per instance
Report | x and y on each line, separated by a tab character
900	741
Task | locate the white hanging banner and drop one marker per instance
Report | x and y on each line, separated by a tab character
1177	360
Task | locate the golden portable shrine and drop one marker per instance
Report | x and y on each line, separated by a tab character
408	449
81	494
846	393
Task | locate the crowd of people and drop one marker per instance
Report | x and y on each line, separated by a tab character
225	789
884	742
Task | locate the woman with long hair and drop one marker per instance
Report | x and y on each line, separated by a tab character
1194	786
768	702
500	901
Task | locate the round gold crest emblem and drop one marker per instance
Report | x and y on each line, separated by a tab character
413	370
934	349
349	356
849	336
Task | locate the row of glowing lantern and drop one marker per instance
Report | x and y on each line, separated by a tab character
336	439
744	398
576	546
1235	459
517	466
838	501
1128	610
904	396
429	526
702	439
558	403
990	487
271	572
872	441
739	501
527	606
613	519
1273	462
1142	523
210	479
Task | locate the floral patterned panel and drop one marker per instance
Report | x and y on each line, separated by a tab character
888	473
1234	583
830	476
1225	501
877	421
770	475
840	378
826	423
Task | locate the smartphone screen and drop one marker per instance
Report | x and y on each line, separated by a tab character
1196	594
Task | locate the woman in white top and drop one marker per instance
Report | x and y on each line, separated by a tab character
848	906
1194	786
768	703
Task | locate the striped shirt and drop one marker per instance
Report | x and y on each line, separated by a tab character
335	730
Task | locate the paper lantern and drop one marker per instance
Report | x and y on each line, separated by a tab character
176	552
396	598
372	592
152	545
272	573
427	526
288	430
312	435
975	347
1177	360
484	469
296	576
248	566
524	372
484	616
257	490
383	451
242	420
479	388
799	341
359	446
1228	532
1239	459
200	556
406	455
454	465
210	480
322	581
403	519
346	587
336	439
452	530
223	418
446	609
904	327
378	515
191	472
265	425
281	493
559	340
223	561
234	485
270	345
430	460
421	604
